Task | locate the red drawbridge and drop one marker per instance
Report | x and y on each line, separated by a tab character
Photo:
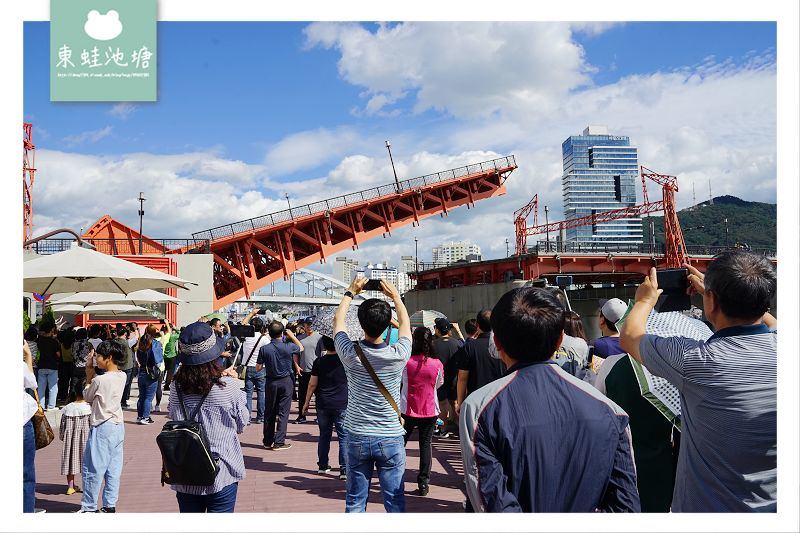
253	253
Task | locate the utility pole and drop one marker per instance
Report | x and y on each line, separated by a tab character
694	196
547	227
396	181
141	217
710	198
286	195
506	246
416	252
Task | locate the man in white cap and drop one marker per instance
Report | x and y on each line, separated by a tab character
610	312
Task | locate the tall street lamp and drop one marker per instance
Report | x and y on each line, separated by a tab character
546	227
416	254
141	217
506	247
396	181
286	195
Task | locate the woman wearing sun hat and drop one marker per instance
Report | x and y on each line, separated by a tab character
222	413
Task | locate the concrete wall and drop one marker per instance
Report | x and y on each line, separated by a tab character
199	299
459	303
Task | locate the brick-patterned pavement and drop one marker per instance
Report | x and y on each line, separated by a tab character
285	481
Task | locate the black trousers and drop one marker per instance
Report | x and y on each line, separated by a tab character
302	390
126	392
169	363
276	412
64	379
426	427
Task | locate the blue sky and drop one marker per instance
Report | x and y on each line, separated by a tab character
254	109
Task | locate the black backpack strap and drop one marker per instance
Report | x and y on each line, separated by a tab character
183	405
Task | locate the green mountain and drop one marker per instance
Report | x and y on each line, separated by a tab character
753	223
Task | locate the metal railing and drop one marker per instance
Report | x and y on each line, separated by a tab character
553	247
122	246
322	206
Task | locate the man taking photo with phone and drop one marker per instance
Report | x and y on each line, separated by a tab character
727	384
372	421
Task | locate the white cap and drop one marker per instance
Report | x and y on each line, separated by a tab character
613	309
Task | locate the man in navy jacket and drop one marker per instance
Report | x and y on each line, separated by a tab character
539	439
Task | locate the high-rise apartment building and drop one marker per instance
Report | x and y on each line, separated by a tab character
450	252
344	269
404	282
600	174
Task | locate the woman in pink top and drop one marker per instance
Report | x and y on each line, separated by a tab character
422	375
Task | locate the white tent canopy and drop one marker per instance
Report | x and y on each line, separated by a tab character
112	309
145	296
83	270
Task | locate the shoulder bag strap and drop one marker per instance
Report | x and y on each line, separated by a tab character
376	379
254	349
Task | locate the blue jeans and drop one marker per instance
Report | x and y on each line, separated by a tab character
102	461
255	380
388	456
147	391
327	419
48	381
28	468
220	502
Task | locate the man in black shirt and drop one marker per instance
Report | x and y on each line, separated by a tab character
49	357
444	348
476	367
329	381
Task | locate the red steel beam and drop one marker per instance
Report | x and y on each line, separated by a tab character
298	243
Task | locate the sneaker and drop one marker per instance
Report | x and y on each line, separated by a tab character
343	475
40	510
145	421
124	405
422	490
53	409
108	509
85	511
71	491
257	421
279	447
323	469
300	420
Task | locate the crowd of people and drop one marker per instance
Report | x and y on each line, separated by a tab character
547	419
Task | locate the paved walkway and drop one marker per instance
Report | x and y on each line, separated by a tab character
285	481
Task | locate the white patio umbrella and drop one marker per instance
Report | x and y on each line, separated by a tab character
83	270
146	296
111	309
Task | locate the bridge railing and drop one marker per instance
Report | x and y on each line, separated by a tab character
321	206
122	246
553	247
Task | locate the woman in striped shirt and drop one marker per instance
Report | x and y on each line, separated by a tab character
222	414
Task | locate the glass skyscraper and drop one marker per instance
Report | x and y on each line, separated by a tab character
600	174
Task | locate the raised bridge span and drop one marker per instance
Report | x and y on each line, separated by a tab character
253	253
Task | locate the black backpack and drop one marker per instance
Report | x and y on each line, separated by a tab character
186	456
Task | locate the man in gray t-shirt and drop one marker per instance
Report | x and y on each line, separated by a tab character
312	348
727	385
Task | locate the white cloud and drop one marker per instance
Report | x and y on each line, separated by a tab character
185	192
309	149
122	110
91	136
466	69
